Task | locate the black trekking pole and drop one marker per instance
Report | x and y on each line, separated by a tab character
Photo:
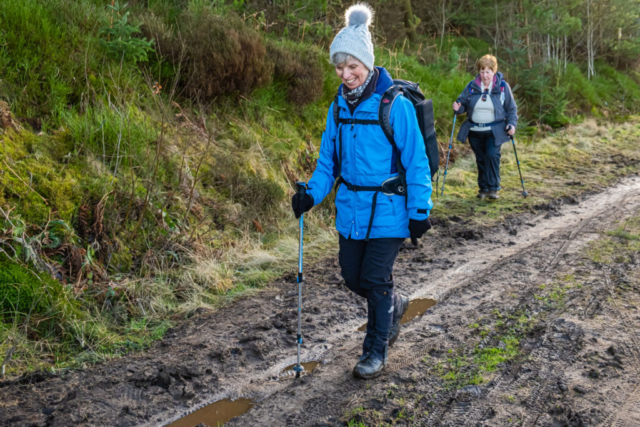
302	189
524	192
444	179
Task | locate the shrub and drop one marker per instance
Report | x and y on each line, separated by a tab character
581	92
118	37
211	55
299	67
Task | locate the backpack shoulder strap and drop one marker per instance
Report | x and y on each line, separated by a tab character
384	112
384	116
336	110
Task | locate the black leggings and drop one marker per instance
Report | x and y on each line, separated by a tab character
367	268
487	158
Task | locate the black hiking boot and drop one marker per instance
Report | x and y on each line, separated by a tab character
482	194
493	195
400	308
371	367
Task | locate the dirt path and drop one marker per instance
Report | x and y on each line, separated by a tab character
241	351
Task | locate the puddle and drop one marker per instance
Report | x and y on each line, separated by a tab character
417	307
215	414
288	372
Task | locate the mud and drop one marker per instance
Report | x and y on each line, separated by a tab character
568	374
288	372
417	308
215	414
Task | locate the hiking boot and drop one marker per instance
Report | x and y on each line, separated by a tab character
482	194
493	195
369	368
400	308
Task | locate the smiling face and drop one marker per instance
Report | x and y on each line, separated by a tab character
352	72
486	75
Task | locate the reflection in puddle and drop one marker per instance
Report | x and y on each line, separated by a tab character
289	372
216	414
417	307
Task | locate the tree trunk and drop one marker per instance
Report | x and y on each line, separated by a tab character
410	23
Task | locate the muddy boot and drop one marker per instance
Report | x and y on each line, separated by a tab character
372	366
493	195
380	302
400	307
482	194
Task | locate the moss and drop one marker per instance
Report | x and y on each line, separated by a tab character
22	290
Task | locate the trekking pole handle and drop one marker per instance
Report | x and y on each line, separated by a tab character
301	188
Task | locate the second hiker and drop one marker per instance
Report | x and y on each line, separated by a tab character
375	212
492	117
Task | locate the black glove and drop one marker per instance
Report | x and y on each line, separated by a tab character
301	204
418	228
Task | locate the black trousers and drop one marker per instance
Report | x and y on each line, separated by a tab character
367	269
487	159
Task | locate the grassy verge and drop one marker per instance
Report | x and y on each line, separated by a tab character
583	157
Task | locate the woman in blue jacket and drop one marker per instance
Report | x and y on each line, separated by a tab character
372	221
492	117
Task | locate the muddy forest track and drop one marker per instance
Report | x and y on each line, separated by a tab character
241	350
319	410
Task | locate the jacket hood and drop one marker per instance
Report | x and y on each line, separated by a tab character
497	80
384	81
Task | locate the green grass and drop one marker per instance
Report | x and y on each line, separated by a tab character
618	246
578	155
501	333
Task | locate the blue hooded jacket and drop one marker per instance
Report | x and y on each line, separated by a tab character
368	159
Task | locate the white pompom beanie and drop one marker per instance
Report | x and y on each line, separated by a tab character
355	38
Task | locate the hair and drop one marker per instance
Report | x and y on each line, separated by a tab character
487	61
341	57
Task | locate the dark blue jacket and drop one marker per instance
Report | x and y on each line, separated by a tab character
506	114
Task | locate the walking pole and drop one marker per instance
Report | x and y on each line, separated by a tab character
448	153
302	189
524	192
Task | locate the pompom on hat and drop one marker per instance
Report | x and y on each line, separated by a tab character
355	38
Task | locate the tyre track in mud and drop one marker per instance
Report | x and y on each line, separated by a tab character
243	348
624	416
546	380
319	411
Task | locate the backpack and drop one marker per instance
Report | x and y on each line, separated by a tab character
424	114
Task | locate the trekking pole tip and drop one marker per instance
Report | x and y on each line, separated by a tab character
298	370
